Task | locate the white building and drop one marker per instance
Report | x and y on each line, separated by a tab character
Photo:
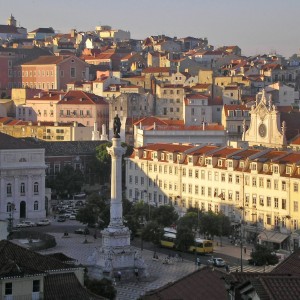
22	179
151	130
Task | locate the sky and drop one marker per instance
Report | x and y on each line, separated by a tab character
257	26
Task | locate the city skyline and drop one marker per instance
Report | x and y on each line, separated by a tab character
256	27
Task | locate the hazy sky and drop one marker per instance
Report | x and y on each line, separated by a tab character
257	26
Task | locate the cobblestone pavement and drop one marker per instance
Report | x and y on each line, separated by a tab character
159	274
80	248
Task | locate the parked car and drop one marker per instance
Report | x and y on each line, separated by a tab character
29	223
22	225
72	217
61	218
43	222
217	262
82	231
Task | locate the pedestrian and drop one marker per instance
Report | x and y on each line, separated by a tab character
198	262
119	275
245	250
136	272
227	268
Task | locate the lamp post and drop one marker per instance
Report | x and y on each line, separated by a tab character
241	236
149	212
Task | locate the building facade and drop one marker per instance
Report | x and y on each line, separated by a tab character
259	188
22	180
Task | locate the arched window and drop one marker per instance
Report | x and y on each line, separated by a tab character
8	190
22	189
8	207
36	205
36	188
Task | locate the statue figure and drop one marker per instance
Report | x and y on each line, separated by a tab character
117	126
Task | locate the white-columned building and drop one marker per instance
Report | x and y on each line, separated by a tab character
258	187
22	179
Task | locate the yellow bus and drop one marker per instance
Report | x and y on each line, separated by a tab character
201	246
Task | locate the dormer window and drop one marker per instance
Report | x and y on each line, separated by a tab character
208	161
220	163
178	157
242	164
144	154
288	170
265	168
190	159
275	169
170	156
162	156
253	166
229	164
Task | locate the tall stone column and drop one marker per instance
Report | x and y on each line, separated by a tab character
116	210
116	254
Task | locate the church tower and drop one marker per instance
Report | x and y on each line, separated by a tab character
11	21
265	128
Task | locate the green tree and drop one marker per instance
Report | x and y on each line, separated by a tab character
104	161
68	181
263	255
152	232
164	215
190	220
97	209
184	238
103	287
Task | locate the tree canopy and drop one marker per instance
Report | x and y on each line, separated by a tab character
67	182
263	255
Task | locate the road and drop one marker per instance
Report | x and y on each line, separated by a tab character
71	225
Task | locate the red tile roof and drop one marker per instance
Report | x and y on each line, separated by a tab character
80	97
203	284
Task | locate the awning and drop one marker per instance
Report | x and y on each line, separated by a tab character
272	236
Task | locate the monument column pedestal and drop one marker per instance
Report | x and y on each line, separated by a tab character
116	254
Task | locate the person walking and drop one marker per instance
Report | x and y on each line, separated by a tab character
119	275
136	272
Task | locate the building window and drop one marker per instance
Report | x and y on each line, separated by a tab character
269	201
202	174
237	179
8	288
8	207
237	196
254	181
216	176
36	205
275	184
190	188
261	182
283	203
295	206
230	178
253	199
268	219
36	188
73	72
283	185
8	190
35	286
22	189
268	183
196	189
261	200
196	174
276	202
130	178
295	187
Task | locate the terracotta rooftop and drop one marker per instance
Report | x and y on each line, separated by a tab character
202	284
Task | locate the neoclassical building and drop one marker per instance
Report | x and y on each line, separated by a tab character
258	187
22	179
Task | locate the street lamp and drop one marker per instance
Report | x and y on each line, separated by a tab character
241	236
146	195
